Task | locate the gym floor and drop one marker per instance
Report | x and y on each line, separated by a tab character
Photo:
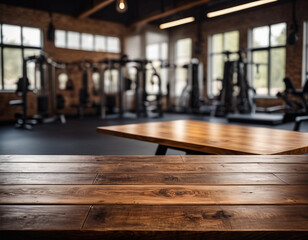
79	137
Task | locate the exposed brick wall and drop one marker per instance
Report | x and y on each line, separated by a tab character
34	18
243	21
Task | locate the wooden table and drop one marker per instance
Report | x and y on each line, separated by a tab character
213	138
154	197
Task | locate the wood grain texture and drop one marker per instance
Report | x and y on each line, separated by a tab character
302	159
153	194
153	197
214	138
15	217
88	159
47	178
197	218
190	179
152	167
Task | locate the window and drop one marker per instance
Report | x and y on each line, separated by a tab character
218	45
16	43
73	40
113	44
86	41
157	52
100	43
183	54
268	55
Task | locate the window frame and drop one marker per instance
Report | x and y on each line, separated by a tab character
268	49
22	47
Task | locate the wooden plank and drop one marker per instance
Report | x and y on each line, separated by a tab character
297	178
151	168
153	194
302	159
187	179
51	217
47	178
102	4
171	12
197	218
214	138
90	158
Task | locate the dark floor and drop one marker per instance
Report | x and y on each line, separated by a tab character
78	136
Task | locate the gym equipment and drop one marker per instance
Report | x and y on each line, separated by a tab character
191	98
296	103
235	75
144	101
22	90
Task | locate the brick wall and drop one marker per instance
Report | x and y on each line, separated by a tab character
34	18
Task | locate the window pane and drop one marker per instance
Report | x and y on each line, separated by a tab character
31	67
164	51
278	34
217	73
260	37
86	41
232	41
183	51
111	78
73	40
218	45
31	37
12	60
180	80
100	43
113	44
11	34
278	61
60	38
152	51
260	72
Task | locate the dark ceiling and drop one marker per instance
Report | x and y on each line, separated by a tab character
137	9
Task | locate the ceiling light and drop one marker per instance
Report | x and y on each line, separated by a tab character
121	6
239	8
176	23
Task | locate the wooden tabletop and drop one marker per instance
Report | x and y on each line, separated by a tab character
214	138
154	197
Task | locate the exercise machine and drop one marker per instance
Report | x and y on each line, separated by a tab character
191	98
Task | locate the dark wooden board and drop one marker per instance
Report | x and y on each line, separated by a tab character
214	138
153	194
190	178
88	159
47	178
38	217
148	167
197	218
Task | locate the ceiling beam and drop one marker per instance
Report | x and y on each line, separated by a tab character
100	5
170	12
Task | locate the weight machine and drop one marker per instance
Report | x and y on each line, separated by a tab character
142	98
47	100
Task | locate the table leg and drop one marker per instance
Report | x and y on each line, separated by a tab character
161	150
